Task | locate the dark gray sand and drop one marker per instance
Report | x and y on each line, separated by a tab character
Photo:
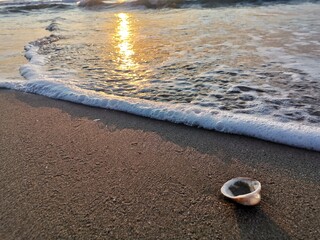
64	174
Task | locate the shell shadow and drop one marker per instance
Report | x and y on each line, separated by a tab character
254	223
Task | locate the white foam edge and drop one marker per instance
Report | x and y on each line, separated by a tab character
292	134
34	68
32	55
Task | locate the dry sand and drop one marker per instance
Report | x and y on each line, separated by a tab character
66	175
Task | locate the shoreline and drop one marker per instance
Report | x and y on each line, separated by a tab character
73	171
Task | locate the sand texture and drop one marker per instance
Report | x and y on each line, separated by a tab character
73	172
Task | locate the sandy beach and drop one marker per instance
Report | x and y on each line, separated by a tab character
74	172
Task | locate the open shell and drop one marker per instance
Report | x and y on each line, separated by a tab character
245	191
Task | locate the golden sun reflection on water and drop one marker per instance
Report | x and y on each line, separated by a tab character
124	44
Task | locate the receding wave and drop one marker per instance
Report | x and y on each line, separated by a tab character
289	134
292	133
250	70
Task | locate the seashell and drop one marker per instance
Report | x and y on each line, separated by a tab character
245	191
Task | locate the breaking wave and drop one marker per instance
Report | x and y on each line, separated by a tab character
27	6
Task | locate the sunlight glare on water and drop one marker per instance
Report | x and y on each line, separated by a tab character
123	39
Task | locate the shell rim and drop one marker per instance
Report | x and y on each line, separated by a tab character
257	190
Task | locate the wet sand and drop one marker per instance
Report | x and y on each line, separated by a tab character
75	172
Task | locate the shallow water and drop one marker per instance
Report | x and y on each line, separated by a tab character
194	65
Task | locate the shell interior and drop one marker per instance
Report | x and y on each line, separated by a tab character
240	186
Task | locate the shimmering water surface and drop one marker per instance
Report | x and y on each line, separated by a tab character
255	60
215	58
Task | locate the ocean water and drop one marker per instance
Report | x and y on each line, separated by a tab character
240	67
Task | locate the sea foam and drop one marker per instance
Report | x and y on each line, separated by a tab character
286	133
291	133
264	127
